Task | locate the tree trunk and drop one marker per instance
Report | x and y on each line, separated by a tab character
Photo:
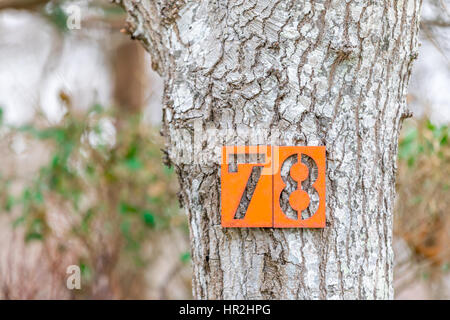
328	72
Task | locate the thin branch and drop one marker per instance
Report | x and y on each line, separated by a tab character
435	23
429	34
21	4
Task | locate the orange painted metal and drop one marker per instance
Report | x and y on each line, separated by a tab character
259	211
299	199
264	209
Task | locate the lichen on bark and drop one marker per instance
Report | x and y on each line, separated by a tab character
324	72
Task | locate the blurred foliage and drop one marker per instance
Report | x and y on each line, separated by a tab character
103	190
55	14
422	216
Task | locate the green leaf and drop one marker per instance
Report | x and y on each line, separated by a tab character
131	243
26	195
148	218
35	231
55	161
86	219
90	170
56	15
9	203
431	126
185	257
133	164
38	197
132	151
33	236
444	139
86	271
125	208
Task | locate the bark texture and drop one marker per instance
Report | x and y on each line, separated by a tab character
323	72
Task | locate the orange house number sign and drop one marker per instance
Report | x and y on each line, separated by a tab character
252	185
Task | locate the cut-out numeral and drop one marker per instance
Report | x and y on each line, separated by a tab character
247	195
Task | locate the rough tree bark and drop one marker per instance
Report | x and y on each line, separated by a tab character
324	72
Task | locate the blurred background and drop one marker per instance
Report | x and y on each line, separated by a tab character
82	181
